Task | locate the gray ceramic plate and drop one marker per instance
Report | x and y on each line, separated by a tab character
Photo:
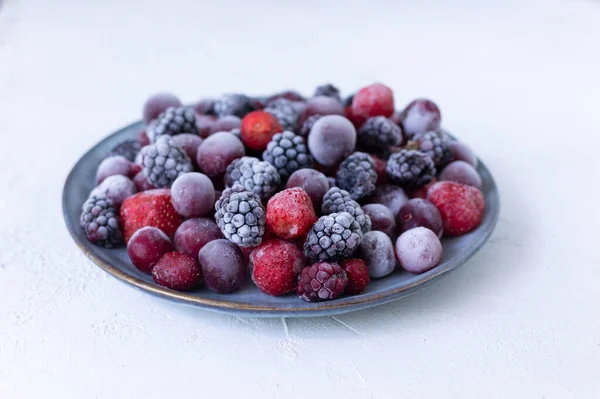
249	301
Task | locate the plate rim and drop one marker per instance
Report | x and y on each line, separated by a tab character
342	305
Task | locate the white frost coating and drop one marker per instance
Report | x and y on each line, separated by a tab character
377	250
418	250
116	188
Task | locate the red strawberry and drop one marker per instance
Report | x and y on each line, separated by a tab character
177	271
461	206
149	208
275	266
258	128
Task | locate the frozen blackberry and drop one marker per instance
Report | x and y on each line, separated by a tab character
436	144
288	153
171	122
379	132
332	237
321	282
128	149
328	90
254	175
357	175
234	104
164	161
410	168
308	124
286	112
100	221
338	200
241	216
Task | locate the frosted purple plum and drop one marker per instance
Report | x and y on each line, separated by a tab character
116	188
225	124
377	250
217	152
193	195
391	196
157	104
419	212
223	266
193	234
418	250
331	139
461	172
382	218
313	182
116	165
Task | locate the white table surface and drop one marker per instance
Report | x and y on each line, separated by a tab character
519	81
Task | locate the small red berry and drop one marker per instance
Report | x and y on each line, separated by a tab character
373	100
275	266
147	246
290	213
258	128
177	271
358	276
461	206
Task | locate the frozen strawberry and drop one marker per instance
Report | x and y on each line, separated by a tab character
290	213
358	276
177	271
275	266
373	100
149	208
461	206
258	128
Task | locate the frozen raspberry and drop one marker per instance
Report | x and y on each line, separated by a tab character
320	105
226	124
275	266
189	143
128	149
328	90
217	152
149	208
461	172
313	182
290	213
142	183
258	128
377	250
461	206
382	218
373	100
358	276
147	246
177	271
331	139
321	282
116	188
193	195
308	124
193	234
418	250
157	104
419	116
223	266
116	165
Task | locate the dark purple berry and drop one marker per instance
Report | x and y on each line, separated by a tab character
223	266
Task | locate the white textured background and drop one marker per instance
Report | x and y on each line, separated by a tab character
518	80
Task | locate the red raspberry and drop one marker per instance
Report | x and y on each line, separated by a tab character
290	213
177	271
275	266
358	276
461	206
321	282
373	100
258	128
149	208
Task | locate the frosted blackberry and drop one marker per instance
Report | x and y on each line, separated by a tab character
128	149
286	112
100	221
164	161
328	90
288	153
171	122
436	144
410	168
259	177
379	132
233	104
338	200
332	237
241	216
308	124
357	175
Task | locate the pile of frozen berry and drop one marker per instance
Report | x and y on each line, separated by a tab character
315	195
